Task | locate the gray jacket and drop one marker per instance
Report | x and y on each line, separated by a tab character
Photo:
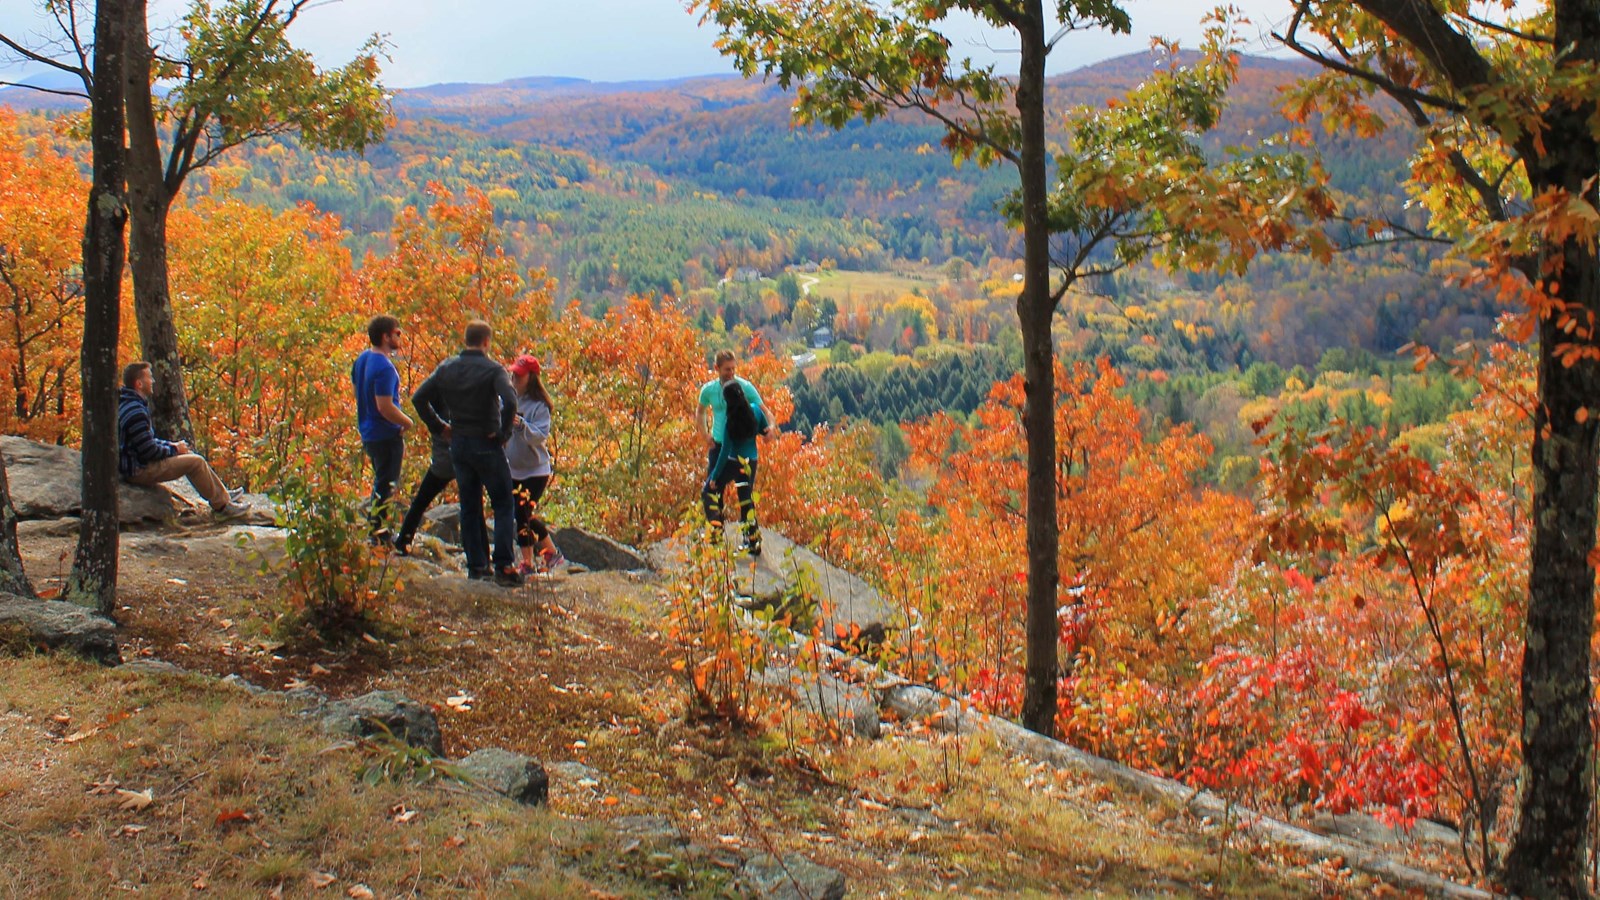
526	452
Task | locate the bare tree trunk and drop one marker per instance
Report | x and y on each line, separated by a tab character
149	200
13	580
1034	314
94	569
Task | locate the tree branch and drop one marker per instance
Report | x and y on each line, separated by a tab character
1291	39
1507	30
44	90
43	60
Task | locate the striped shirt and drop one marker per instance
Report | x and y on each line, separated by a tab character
136	438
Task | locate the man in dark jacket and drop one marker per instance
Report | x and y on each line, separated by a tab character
475	392
148	460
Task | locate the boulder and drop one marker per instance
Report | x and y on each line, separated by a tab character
46	482
57	624
790	577
792	878
443	522
597	552
372	713
519	777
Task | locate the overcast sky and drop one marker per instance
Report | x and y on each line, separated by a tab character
609	40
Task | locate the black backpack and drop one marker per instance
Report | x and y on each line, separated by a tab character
741	424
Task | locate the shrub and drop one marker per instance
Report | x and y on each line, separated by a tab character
331	574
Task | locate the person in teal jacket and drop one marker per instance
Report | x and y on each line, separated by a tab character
735	463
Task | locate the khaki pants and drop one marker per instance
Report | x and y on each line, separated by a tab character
192	466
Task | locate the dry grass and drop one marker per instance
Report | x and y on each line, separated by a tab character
243	797
570	671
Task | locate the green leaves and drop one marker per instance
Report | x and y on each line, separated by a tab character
241	78
850	59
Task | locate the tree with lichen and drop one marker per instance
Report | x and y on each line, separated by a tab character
1507	117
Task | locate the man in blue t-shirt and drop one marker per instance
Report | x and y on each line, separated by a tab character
378	415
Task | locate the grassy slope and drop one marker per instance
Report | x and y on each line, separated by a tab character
569	671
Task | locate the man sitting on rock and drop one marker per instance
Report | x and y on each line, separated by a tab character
147	460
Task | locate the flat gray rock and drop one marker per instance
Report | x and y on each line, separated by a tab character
653	830
851	708
46	482
792	878
149	666
370	714
519	777
66	526
788	576
1369	829
57	624
234	679
572	771
598	552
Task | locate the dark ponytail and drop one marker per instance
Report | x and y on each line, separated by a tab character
741	425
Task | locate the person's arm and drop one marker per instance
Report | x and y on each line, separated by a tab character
423	399
763	418
702	413
508	402
141	436
535	428
388	409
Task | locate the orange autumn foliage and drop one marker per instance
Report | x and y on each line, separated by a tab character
42	196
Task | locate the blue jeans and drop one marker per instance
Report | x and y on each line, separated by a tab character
385	455
481	466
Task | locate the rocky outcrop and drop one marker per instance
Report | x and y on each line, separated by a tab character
47	483
380	711
516	776
56	624
851	708
598	552
791	878
792	578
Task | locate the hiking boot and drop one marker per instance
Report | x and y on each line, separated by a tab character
235	493
552	559
480	574
508	577
233	509
751	545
